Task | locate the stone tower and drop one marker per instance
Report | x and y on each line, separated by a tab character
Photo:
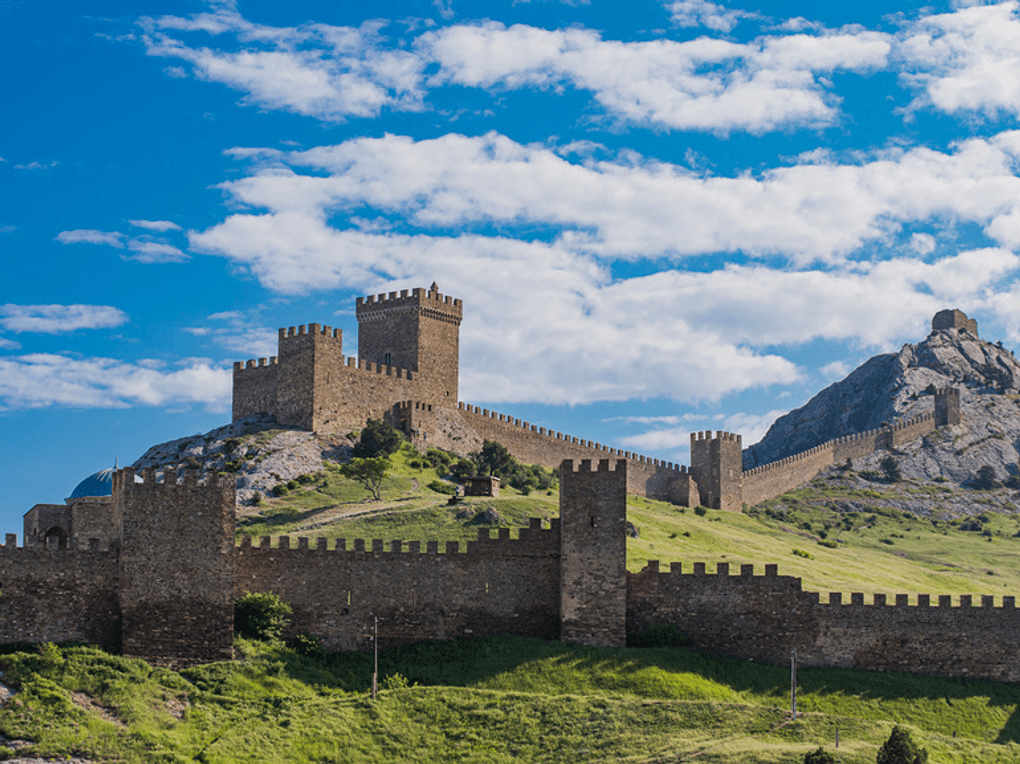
309	355
419	331
176	566
952	318
593	553
717	467
947	406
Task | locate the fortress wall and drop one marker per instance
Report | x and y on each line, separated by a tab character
255	385
907	430
773	479
763	618
66	595
536	445
176	565
355	390
499	585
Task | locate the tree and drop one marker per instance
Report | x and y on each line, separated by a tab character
984	480
891	469
495	459
369	472
261	615
819	756
901	749
378	438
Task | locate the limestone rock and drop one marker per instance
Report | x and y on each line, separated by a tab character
894	385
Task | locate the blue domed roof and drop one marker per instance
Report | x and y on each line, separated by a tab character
100	484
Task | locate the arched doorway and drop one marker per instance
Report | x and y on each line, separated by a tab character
55	537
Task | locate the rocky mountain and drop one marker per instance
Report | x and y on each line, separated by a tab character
894	385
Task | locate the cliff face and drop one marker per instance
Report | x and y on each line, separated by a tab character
896	385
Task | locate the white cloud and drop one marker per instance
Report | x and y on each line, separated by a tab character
155	225
239	333
8	228
317	70
149	251
42	380
751	428
702	84
35	165
967	60
922	243
6	344
88	236
835	370
59	319
635	208
704	13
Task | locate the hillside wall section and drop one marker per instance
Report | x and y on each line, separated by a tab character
763	618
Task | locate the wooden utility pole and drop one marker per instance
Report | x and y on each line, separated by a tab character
375	658
793	683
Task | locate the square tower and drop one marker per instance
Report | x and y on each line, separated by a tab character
419	331
947	406
717	467
593	553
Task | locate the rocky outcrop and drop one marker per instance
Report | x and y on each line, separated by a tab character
894	385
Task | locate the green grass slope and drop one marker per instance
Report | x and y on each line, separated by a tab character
487	700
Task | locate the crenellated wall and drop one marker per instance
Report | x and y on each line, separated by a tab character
775	478
59	595
502	585
530	443
763	618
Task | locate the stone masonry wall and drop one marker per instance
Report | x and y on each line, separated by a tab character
255	386
776	478
763	618
593	553
66	595
654	478
176	566
499	585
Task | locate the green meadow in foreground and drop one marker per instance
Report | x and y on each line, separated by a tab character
486	700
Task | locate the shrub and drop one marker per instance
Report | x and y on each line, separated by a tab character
819	756
279	490
828	544
378	439
700	511
802	553
261	615
891	469
440	487
307	644
901	749
257	498
659	635
1013	481
984	480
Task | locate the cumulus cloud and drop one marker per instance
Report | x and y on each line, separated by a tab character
240	333
59	319
42	380
967	60
6	344
317	70
631	207
677	440
703	84
704	13
155	225
153	251
89	236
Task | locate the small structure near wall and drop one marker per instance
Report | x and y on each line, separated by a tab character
485	485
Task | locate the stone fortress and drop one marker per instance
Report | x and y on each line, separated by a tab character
153	568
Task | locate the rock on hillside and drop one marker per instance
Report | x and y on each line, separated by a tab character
896	385
260	452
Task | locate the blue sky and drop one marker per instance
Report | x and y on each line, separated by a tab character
661	216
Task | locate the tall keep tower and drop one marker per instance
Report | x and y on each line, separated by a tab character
419	331
717	467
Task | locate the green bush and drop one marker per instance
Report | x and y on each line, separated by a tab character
261	615
984	480
257	498
828	544
700	511
440	487
901	749
659	635
307	644
378	439
891	469
279	490
819	756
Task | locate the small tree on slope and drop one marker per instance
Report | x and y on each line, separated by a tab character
901	749
819	756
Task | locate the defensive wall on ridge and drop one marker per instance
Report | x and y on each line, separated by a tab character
763	618
407	372
169	582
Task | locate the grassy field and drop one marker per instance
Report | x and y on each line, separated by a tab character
488	700
879	549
